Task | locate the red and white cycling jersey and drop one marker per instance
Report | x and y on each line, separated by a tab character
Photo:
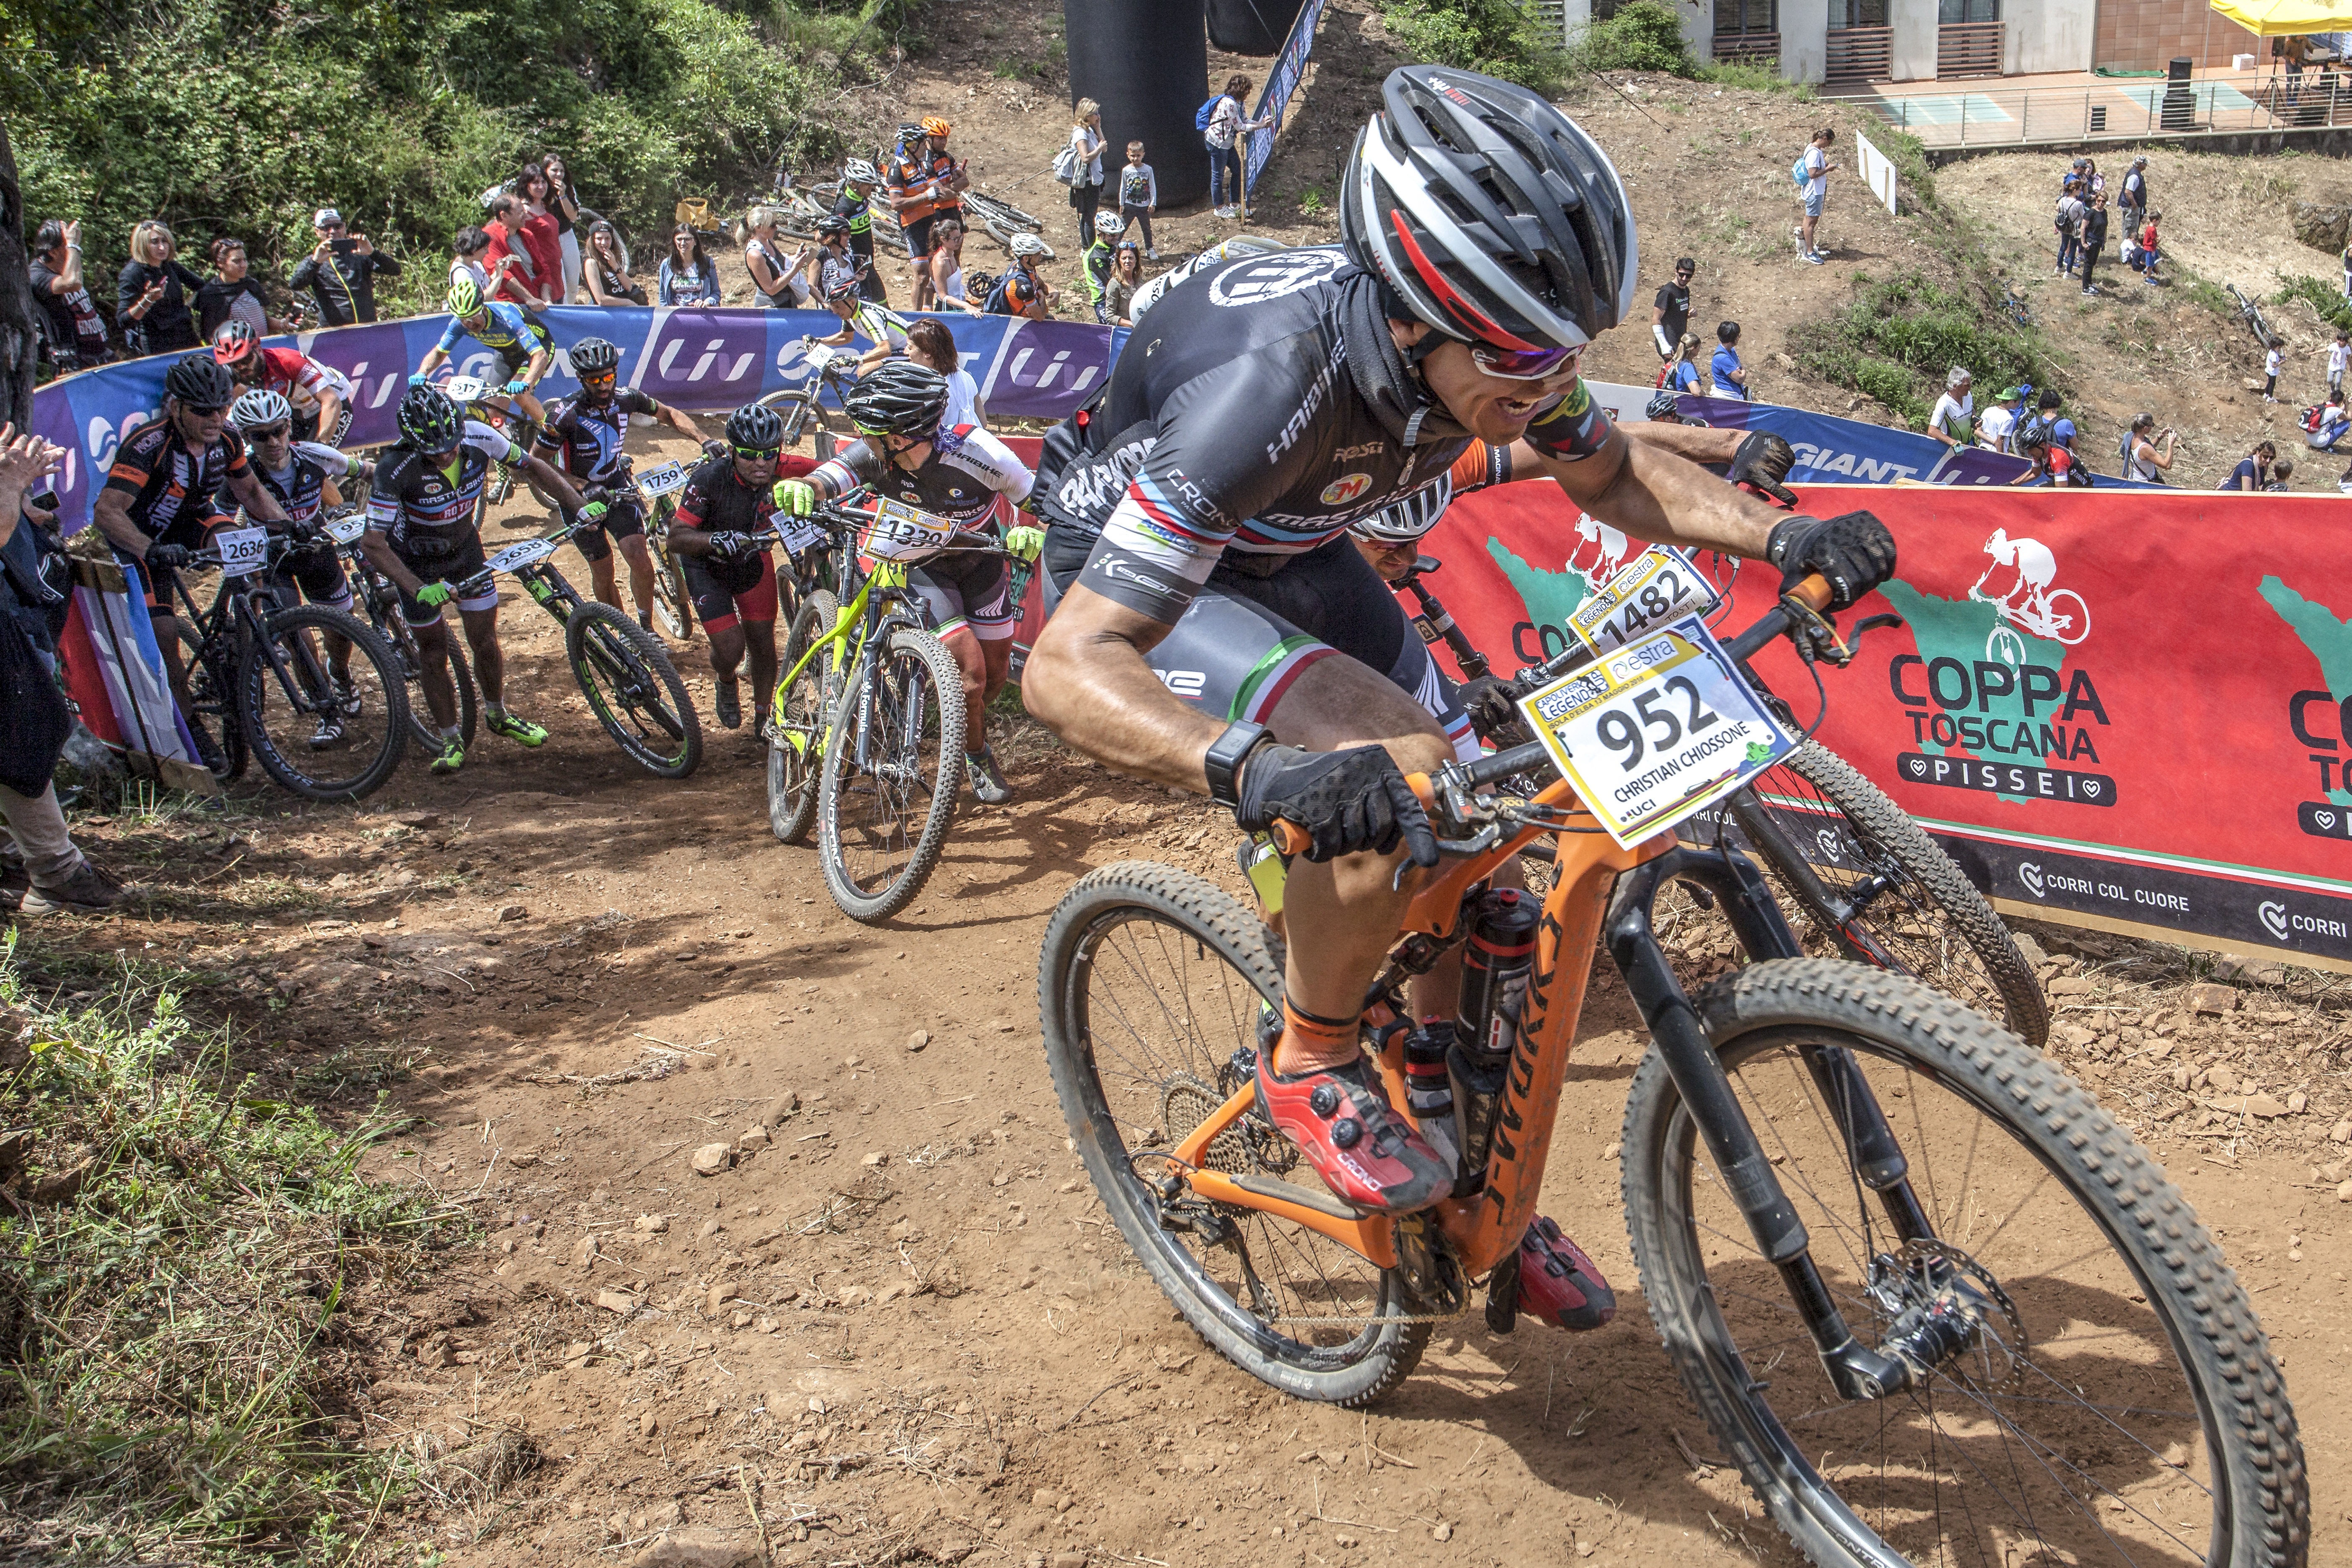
299	379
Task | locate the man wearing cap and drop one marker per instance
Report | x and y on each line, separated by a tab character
339	272
1999	422
2133	199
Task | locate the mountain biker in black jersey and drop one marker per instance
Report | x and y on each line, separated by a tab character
727	502
582	436
1265	405
854	205
301	475
160	502
421	535
519	339
909	454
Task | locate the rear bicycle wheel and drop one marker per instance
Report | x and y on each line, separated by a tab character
322	738
2110	1400
798	408
634	690
1150	986
797	723
893	765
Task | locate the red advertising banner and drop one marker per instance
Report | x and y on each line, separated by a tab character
2126	710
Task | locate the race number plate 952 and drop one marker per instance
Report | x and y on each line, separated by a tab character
1656	731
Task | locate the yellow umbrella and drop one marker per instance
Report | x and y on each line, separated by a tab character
2273	18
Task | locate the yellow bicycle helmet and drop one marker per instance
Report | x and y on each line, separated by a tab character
465	297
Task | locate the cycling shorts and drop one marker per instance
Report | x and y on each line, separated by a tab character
452	570
625	517
726	591
967	590
318	573
155	583
1243	639
919	237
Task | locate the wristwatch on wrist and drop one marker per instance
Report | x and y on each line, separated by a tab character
1226	753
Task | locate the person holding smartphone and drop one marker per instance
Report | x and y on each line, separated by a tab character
340	271
153	293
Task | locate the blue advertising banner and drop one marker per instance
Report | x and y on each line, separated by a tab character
697	360
1281	82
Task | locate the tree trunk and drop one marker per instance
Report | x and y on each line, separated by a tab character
17	351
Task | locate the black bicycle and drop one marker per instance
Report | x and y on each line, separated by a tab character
1863	880
832	368
311	692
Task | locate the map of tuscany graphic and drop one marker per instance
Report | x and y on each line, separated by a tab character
2329	641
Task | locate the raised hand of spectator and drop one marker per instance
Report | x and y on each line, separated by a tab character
360	243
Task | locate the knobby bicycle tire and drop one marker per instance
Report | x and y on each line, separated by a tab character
798	722
1926	898
257	680
799	409
606	646
938	684
1122	1098
986	204
673	604
2116	1383
212	681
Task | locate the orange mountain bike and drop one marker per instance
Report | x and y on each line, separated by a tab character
1933	1301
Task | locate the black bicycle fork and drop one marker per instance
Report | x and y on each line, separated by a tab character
1857	1371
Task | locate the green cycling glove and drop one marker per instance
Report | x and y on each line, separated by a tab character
1024	542
795	498
433	595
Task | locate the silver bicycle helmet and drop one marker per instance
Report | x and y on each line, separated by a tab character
1025	244
260	408
858	172
1403	522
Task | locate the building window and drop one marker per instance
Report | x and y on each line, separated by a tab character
1747	17
1951	11
1860	12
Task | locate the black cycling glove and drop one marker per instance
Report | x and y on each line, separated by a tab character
714	448
167	556
1492	703
1347	802
729	545
1761	464
1854	551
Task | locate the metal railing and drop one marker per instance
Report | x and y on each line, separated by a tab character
1857	54
1967	49
1755	49
1962	115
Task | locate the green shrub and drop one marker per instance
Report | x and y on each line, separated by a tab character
1896	340
1504	39
2324	298
1643	37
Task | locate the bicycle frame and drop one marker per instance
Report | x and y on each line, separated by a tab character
233	612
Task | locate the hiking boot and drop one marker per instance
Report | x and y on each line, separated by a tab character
1366	1154
516	728
727	699
987	780
452	757
13	879
88	891
1558	1284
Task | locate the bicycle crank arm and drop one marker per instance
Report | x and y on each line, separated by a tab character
1745	1169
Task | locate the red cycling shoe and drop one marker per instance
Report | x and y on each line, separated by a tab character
1366	1153
1558	1284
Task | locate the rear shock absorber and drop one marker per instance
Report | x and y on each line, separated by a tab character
1495	971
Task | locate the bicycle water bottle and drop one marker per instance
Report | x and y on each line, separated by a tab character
1495	971
1429	1088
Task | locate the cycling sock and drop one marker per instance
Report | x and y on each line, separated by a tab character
1310	1041
452	732
495	710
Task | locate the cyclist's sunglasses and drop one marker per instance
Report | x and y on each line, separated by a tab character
605	379
203	410
758	454
1526	365
269	433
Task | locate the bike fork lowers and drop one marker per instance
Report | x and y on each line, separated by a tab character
1854	1369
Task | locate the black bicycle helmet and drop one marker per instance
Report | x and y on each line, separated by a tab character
595	356
899	398
1491	213
430	421
757	427
200	382
1664	408
833	223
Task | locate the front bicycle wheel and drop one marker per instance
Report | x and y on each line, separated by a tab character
796	725
798	408
322	737
893	764
421	727
2090	1385
673	604
1151	986
634	690
1914	912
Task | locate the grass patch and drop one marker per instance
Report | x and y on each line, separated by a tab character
1898	339
174	1348
2324	298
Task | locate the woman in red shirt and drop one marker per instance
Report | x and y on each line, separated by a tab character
540	237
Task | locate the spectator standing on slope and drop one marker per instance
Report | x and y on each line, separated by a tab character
1953	420
1998	423
340	272
2133	203
1818	169
2067	219
1229	124
2142	461
564	208
2095	240
507	260
77	332
1087	149
2340	353
1729	376
2273	361
1139	196
153	293
539	236
1670	311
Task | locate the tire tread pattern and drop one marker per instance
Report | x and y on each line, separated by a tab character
947	693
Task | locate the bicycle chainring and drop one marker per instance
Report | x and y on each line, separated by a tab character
1944	1312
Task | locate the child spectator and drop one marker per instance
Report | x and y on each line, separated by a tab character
1086	186
2340	353
2149	255
1998	423
234	293
2272	360
1228	123
1730	377
2281	472
688	277
77	332
1818	169
1138	196
151	295
1680	373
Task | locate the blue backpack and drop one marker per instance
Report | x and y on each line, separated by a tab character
1206	113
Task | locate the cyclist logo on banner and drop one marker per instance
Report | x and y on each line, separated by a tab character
1601	553
2028	603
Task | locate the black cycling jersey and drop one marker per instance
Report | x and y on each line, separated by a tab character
301	486
589	435
172	486
1264	409
967	468
427	512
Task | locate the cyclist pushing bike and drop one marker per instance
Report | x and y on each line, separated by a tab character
1197	524
724	514
909	453
421	535
522	343
582	436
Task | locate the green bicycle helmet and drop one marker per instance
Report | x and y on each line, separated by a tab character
465	297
